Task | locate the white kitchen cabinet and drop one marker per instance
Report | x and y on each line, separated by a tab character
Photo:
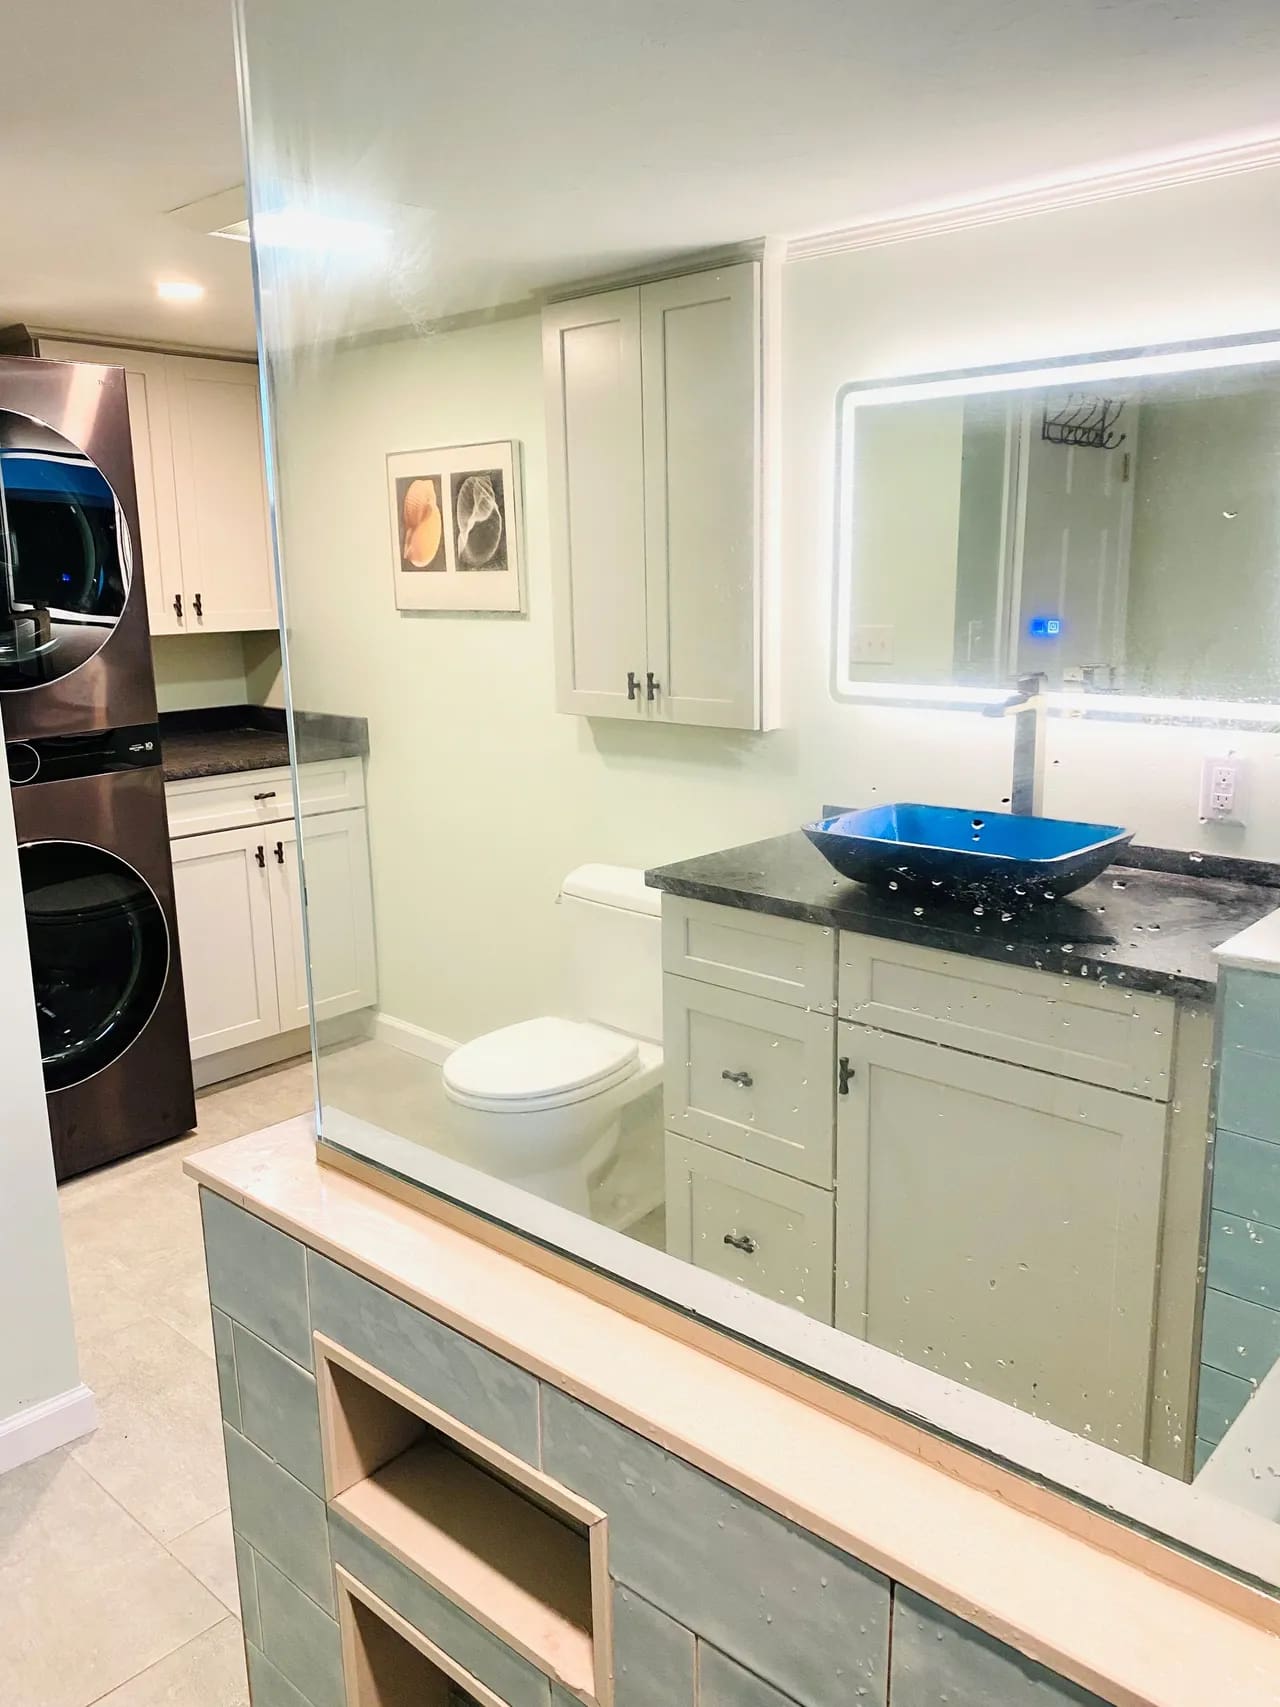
222	891
201	478
655	435
239	893
1001	1226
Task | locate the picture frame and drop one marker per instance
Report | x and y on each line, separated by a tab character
457	528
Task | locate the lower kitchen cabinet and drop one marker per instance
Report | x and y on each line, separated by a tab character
749	1224
239	896
1001	1226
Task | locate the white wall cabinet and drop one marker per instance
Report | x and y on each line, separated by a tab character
201	476
655	435
239	896
961	1162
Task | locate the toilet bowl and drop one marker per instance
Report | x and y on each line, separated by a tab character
540	1103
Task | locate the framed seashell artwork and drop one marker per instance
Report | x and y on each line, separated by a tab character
456	528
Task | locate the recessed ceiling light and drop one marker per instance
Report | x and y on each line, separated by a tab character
178	290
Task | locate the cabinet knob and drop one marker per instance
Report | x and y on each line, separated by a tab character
652	685
846	1073
740	1242
198	605
177	606
743	1079
279	850
260	856
633	685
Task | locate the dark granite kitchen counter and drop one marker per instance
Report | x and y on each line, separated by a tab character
1136	927
228	738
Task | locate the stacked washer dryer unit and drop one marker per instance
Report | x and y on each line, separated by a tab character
77	697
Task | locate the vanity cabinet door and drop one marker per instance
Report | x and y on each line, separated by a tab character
336	861
595	465
1001	1226
750	1077
222	891
700	345
749	1224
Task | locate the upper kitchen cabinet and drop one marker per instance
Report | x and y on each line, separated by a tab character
202	502
655	437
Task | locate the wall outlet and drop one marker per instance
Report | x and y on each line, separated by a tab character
872	643
1221	785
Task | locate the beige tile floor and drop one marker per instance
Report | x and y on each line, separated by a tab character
117	1580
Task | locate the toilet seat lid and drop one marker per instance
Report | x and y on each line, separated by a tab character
539	1058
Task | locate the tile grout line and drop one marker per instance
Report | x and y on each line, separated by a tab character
124	1683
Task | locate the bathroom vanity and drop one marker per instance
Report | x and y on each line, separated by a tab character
975	1138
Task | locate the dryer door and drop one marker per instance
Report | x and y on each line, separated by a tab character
65	557
99	955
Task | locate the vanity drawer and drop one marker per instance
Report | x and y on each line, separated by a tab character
1072	1027
781	959
199	804
746	1223
750	1077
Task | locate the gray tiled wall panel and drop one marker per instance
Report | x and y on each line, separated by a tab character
300	1641
225	1356
247	1582
463	1378
1240	1337
269	1687
1222	1398
507	1673
1249	1093
938	1658
722	1682
1246	1177
257	1276
653	1656
279	1410
1251	1011
1244	1258
279	1518
808	1619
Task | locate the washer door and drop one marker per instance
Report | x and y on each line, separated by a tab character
99	955
65	557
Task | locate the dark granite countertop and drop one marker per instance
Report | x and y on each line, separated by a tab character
1141	928
228	738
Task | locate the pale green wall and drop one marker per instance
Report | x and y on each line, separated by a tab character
196	670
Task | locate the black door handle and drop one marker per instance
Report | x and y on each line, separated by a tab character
846	1073
260	857
177	606
199	605
633	685
279	853
743	1079
652	684
740	1242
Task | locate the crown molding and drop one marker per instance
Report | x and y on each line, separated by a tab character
1077	192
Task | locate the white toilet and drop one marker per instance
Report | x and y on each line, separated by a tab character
540	1103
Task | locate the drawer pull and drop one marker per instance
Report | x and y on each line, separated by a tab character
266	794
743	1079
740	1242
846	1073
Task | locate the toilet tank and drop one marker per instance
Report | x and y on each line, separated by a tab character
613	926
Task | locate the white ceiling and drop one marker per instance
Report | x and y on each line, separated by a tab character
564	138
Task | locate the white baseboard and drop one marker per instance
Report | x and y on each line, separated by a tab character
413	1039
37	1429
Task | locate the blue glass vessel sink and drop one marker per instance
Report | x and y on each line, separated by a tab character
946	851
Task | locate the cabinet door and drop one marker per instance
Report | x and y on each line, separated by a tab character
700	341
1001	1226
595	459
751	1225
219	474
147	387
749	1076
223	899
340	916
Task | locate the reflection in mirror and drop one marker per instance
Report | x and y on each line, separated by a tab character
1117	535
927	1099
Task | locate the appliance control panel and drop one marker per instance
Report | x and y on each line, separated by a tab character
97	752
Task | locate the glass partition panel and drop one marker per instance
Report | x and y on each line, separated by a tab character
930	1045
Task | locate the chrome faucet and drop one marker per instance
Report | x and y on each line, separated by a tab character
1027	706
